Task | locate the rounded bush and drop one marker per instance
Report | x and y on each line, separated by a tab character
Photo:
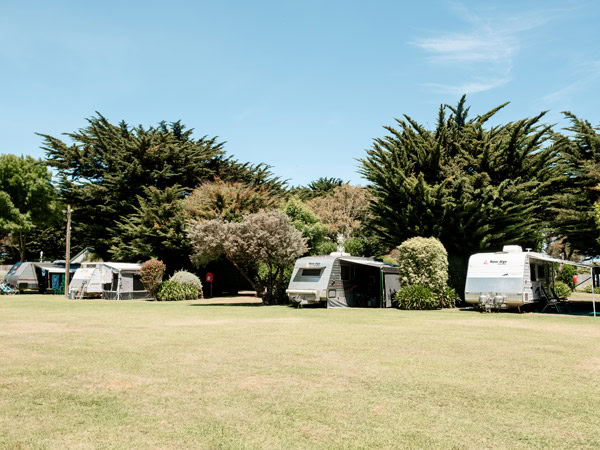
422	261
171	291
562	289
416	297
188	279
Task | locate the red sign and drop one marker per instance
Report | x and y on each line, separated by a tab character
209	277
575	279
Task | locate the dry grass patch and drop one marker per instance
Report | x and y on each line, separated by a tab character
177	375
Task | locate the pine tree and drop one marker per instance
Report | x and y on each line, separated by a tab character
575	222
109	166
472	187
156	229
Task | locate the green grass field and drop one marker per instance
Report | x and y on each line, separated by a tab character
134	374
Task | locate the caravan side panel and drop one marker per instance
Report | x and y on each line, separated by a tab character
336	296
496	274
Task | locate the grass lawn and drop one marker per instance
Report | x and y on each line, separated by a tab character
136	374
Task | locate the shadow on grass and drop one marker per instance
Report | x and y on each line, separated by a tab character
573	308
228	304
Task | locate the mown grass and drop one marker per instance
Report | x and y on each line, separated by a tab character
132	374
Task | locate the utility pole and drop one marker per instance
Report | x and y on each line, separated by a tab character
68	253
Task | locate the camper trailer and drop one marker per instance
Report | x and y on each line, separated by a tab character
87	281
40	276
43	276
511	278
340	280
22	276
114	281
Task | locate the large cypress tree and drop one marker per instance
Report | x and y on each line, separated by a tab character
109	167
574	220
474	188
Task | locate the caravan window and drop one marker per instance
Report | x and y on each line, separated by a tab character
115	281
137	283
14	268
311	272
542	272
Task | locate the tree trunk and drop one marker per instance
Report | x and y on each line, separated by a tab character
571	251
245	276
21	245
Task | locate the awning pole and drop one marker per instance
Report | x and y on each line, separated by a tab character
593	294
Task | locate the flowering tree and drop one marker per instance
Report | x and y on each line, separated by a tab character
264	240
228	200
343	210
151	273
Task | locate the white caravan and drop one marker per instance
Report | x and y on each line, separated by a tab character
339	280
511	278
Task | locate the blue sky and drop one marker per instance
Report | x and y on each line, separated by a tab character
301	85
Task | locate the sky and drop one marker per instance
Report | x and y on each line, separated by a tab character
304	86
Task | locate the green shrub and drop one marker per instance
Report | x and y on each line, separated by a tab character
325	248
187	278
422	261
562	289
448	298
355	246
415	297
151	274
566	275
588	289
170	291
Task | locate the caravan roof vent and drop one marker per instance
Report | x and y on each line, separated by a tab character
512	249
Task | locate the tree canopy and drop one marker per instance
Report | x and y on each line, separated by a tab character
574	220
156	229
108	166
28	199
474	188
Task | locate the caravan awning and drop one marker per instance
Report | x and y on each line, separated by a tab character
370	263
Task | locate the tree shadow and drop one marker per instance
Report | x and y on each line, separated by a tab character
228	304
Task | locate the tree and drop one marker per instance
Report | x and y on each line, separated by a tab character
264	238
27	200
156	229
574	221
343	210
228	200
108	166
474	188
317	188
308	223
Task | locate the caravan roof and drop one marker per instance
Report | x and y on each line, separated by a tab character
127	267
